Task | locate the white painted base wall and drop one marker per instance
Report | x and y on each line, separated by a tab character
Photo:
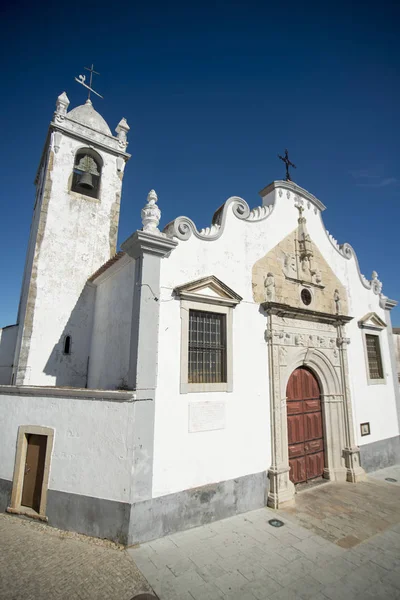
92	452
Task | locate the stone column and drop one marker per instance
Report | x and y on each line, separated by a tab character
147	249
281	488
351	452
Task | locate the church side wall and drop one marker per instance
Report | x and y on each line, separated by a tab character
90	470
110	347
8	338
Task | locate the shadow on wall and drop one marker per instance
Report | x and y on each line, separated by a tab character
8	338
69	359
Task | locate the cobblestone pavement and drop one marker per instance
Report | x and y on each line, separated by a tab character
38	562
245	558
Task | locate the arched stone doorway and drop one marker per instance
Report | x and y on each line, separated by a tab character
306	444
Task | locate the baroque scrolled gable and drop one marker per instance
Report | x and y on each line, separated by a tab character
183	227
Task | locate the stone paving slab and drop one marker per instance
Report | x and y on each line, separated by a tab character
348	514
245	558
38	562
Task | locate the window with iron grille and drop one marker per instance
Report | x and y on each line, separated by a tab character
207	347
374	357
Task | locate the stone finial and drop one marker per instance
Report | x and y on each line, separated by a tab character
151	214
62	104
122	130
375	283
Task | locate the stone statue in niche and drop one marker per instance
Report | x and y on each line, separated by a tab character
306	265
289	265
269	287
336	297
316	276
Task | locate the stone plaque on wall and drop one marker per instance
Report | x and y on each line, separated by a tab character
206	416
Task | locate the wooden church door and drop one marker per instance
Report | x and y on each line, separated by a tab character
34	471
305	427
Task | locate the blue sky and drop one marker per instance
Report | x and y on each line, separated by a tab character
212	92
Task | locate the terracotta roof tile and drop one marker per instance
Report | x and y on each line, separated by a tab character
106	265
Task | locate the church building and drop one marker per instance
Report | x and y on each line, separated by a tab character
193	374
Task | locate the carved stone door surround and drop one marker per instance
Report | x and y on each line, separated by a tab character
300	337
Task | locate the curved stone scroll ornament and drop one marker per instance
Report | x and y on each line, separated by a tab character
183	227
348	252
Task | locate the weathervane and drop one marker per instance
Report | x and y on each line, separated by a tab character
287	163
82	78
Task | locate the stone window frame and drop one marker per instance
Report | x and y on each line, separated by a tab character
371	324
19	469
201	305
208	294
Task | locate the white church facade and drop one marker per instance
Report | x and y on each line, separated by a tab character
193	374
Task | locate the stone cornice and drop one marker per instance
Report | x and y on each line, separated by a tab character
141	242
68	393
292	187
96	138
387	303
305	314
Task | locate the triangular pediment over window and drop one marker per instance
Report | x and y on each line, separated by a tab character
371	321
208	289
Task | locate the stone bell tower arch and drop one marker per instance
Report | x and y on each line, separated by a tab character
73	232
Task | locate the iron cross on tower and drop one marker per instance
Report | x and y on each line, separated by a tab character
82	78
91	71
288	164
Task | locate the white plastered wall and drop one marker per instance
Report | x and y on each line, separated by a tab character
76	242
110	347
184	460
8	338
93	447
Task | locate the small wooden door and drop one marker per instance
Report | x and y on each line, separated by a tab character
305	428
34	471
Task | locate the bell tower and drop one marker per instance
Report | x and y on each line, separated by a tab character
73	233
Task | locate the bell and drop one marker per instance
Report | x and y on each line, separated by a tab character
85	181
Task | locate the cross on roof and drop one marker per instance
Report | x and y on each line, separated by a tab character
82	78
91	71
287	163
